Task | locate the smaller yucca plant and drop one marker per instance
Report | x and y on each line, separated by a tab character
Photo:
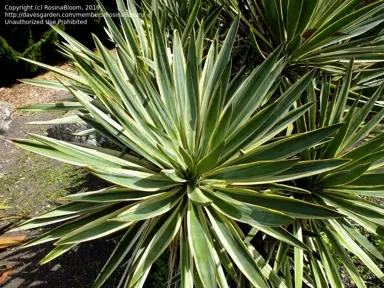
348	189
192	146
320	33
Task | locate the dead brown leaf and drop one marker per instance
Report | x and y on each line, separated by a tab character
4	276
6	241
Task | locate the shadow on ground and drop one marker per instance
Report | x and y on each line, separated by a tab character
76	269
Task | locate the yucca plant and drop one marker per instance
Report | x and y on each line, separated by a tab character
320	33
185	124
348	189
204	165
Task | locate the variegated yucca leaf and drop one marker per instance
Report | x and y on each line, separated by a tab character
206	164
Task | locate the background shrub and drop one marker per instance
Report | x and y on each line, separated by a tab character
9	62
37	42
42	51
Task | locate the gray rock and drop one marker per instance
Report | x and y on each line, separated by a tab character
5	117
67	132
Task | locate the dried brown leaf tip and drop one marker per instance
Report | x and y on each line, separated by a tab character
308	33
5	275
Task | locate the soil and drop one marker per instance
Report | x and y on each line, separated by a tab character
34	184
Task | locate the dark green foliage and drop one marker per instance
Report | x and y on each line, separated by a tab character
34	53
42	51
36	42
7	54
8	62
48	45
20	37
158	275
